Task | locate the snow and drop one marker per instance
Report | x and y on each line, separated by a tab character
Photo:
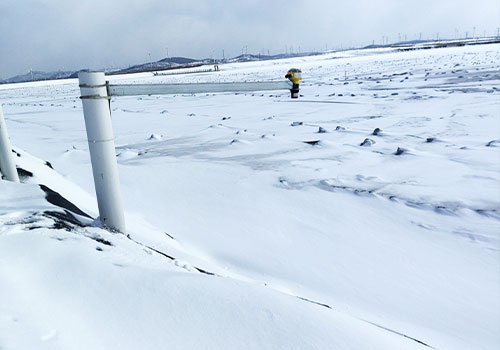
249	228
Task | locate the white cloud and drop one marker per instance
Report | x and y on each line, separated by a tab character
58	34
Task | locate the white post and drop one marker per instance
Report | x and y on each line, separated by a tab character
7	164
102	149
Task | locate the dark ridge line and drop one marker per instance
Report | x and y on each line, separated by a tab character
373	324
398	333
441	209
102	241
62	220
66	221
205	272
156	250
296	296
52	196
55	198
169	235
314	302
23	173
493	213
171	257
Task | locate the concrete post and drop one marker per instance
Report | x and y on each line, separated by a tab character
7	164
102	149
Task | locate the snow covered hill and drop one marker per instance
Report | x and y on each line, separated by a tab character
364	215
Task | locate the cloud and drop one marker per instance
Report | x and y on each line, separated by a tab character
69	34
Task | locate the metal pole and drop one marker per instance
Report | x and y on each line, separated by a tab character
102	149
194	88
7	164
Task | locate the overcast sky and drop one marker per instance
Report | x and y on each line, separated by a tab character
70	35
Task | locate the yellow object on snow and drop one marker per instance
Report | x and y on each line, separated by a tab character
294	75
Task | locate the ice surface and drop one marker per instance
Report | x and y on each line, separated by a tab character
245	217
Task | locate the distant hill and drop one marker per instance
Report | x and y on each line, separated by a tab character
37	75
163	64
170	63
251	57
429	44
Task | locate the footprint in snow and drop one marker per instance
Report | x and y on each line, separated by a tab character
184	265
127	154
400	151
313	143
51	335
367	142
493	143
236	141
283	181
155	137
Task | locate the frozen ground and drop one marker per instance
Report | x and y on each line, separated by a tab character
257	221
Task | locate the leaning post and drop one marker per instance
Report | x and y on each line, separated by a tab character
102	149
7	164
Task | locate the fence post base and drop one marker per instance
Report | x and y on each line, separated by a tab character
7	164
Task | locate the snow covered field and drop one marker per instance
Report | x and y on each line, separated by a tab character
364	215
